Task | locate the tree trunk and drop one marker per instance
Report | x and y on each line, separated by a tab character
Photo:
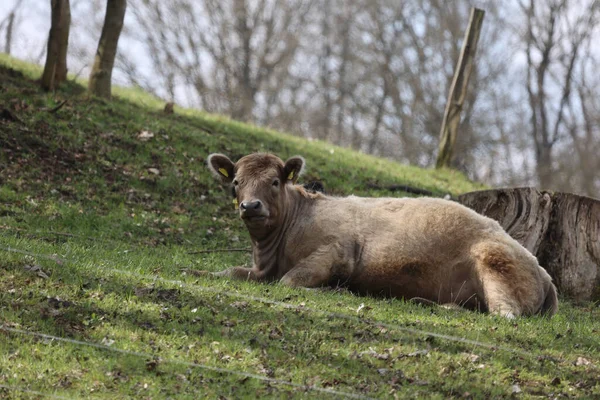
9	31
561	229
101	75
55	69
544	169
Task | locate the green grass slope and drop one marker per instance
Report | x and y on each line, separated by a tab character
99	237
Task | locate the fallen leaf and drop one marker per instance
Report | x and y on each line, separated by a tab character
151	365
266	371
240	304
228	323
275	333
582	361
144	136
56	302
178	210
371	352
154	171
418	353
37	270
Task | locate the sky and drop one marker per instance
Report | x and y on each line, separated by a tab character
33	24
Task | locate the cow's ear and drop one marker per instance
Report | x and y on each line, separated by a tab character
294	167
221	167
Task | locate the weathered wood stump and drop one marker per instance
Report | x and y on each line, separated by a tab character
561	229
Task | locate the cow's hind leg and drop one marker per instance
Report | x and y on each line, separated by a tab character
508	278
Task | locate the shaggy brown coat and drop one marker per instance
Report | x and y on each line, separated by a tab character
402	247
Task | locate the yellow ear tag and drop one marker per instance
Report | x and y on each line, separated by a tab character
290	176
224	172
235	204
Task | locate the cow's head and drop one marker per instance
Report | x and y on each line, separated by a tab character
259	185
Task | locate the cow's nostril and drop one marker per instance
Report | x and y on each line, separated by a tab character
251	205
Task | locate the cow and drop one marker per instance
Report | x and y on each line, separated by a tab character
426	248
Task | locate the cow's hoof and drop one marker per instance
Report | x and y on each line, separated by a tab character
509	315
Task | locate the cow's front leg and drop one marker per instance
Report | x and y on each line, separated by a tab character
315	270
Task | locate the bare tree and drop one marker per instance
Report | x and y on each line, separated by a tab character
374	75
55	69
10	24
225	50
553	43
101	74
407	70
578	161
9	32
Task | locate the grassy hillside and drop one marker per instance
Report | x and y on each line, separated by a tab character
100	230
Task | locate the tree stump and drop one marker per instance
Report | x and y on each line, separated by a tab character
561	229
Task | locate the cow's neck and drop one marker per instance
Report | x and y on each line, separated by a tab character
268	250
265	251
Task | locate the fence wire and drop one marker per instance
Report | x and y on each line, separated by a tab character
284	305
328	314
185	363
289	306
34	392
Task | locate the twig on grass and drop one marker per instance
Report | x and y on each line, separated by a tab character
95	239
8	115
33	392
58	107
46	233
56	259
246	249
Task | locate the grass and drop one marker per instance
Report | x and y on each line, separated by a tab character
95	247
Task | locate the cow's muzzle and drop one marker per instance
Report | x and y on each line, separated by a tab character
253	210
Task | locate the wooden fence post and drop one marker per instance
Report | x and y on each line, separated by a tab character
458	89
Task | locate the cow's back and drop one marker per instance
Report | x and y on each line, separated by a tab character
415	225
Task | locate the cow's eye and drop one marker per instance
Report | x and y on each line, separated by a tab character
276	183
235	182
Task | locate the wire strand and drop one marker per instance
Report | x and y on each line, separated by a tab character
24	390
330	314
183	363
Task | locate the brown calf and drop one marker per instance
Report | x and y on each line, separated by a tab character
402	247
